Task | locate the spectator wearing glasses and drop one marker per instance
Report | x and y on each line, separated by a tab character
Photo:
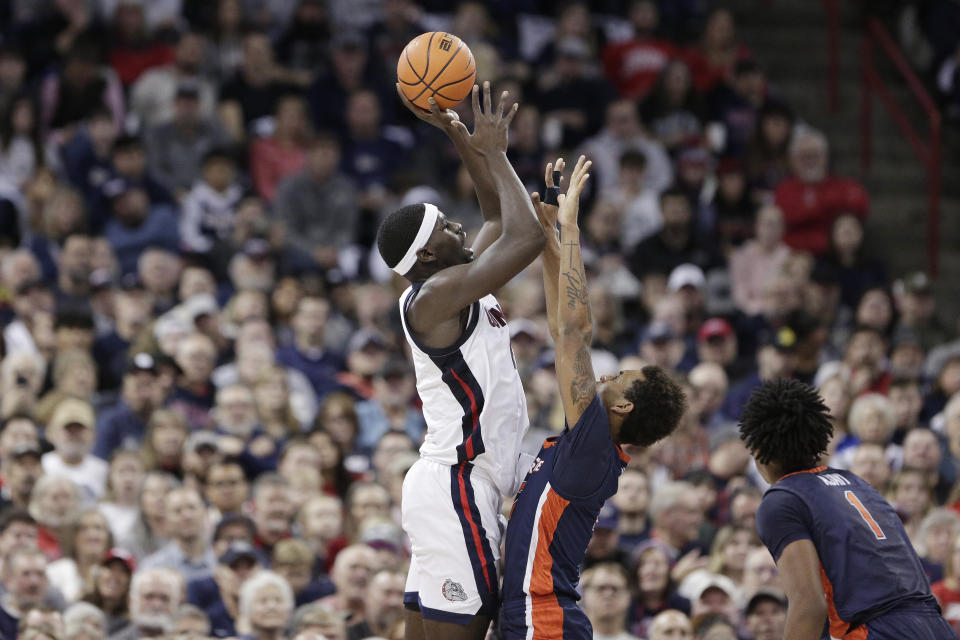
606	597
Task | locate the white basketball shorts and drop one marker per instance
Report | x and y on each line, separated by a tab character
452	516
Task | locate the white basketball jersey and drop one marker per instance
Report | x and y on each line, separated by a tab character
473	400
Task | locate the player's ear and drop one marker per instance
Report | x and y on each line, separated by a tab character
426	254
622	407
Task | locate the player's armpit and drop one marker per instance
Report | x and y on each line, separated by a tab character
799	570
575	376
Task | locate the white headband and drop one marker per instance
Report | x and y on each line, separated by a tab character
430	215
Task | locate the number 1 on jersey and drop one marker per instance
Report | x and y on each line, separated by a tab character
862	510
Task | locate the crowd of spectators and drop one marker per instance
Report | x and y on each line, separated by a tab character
207	409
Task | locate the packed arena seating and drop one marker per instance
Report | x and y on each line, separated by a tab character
205	391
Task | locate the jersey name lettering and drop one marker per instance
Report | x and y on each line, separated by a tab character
834	480
495	317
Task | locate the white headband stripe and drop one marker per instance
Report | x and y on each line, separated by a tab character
430	215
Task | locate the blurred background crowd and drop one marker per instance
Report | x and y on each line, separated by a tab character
207	409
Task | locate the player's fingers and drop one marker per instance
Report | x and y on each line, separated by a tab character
513	111
578	168
561	164
475	102
403	98
503	101
434	107
486	97
583	171
548	174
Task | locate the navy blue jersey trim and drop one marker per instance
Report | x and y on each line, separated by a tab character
481	558
445	616
458	377
467	332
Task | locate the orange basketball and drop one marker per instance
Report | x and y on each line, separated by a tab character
436	64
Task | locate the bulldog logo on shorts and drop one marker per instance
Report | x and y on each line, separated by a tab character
452	591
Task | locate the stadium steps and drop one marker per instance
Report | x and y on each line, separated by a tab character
789	39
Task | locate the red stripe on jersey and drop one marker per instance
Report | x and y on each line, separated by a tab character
814	470
837	626
547	614
473	400
478	545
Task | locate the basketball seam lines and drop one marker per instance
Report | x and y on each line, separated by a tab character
444	68
423	80
428	85
406	54
437	90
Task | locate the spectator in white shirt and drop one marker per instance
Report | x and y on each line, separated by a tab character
71	432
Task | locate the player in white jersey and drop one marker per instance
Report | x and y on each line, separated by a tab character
473	400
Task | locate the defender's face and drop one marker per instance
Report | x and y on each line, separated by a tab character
613	388
448	242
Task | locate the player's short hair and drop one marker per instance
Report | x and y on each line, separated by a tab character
786	423
658	405
398	231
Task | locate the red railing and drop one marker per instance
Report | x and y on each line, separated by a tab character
875	36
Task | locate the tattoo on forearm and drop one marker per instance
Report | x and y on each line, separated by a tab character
576	289
576	278
583	387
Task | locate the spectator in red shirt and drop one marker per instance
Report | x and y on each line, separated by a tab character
811	199
712	60
283	153
132	50
634	65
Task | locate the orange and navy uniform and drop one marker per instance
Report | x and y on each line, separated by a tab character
874	583
551	524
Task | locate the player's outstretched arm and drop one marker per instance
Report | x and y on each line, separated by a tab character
472	160
575	325
799	570
547	214
447	292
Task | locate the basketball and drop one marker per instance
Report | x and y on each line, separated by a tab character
436	64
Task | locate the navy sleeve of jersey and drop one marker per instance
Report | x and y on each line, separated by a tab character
585	455
781	519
